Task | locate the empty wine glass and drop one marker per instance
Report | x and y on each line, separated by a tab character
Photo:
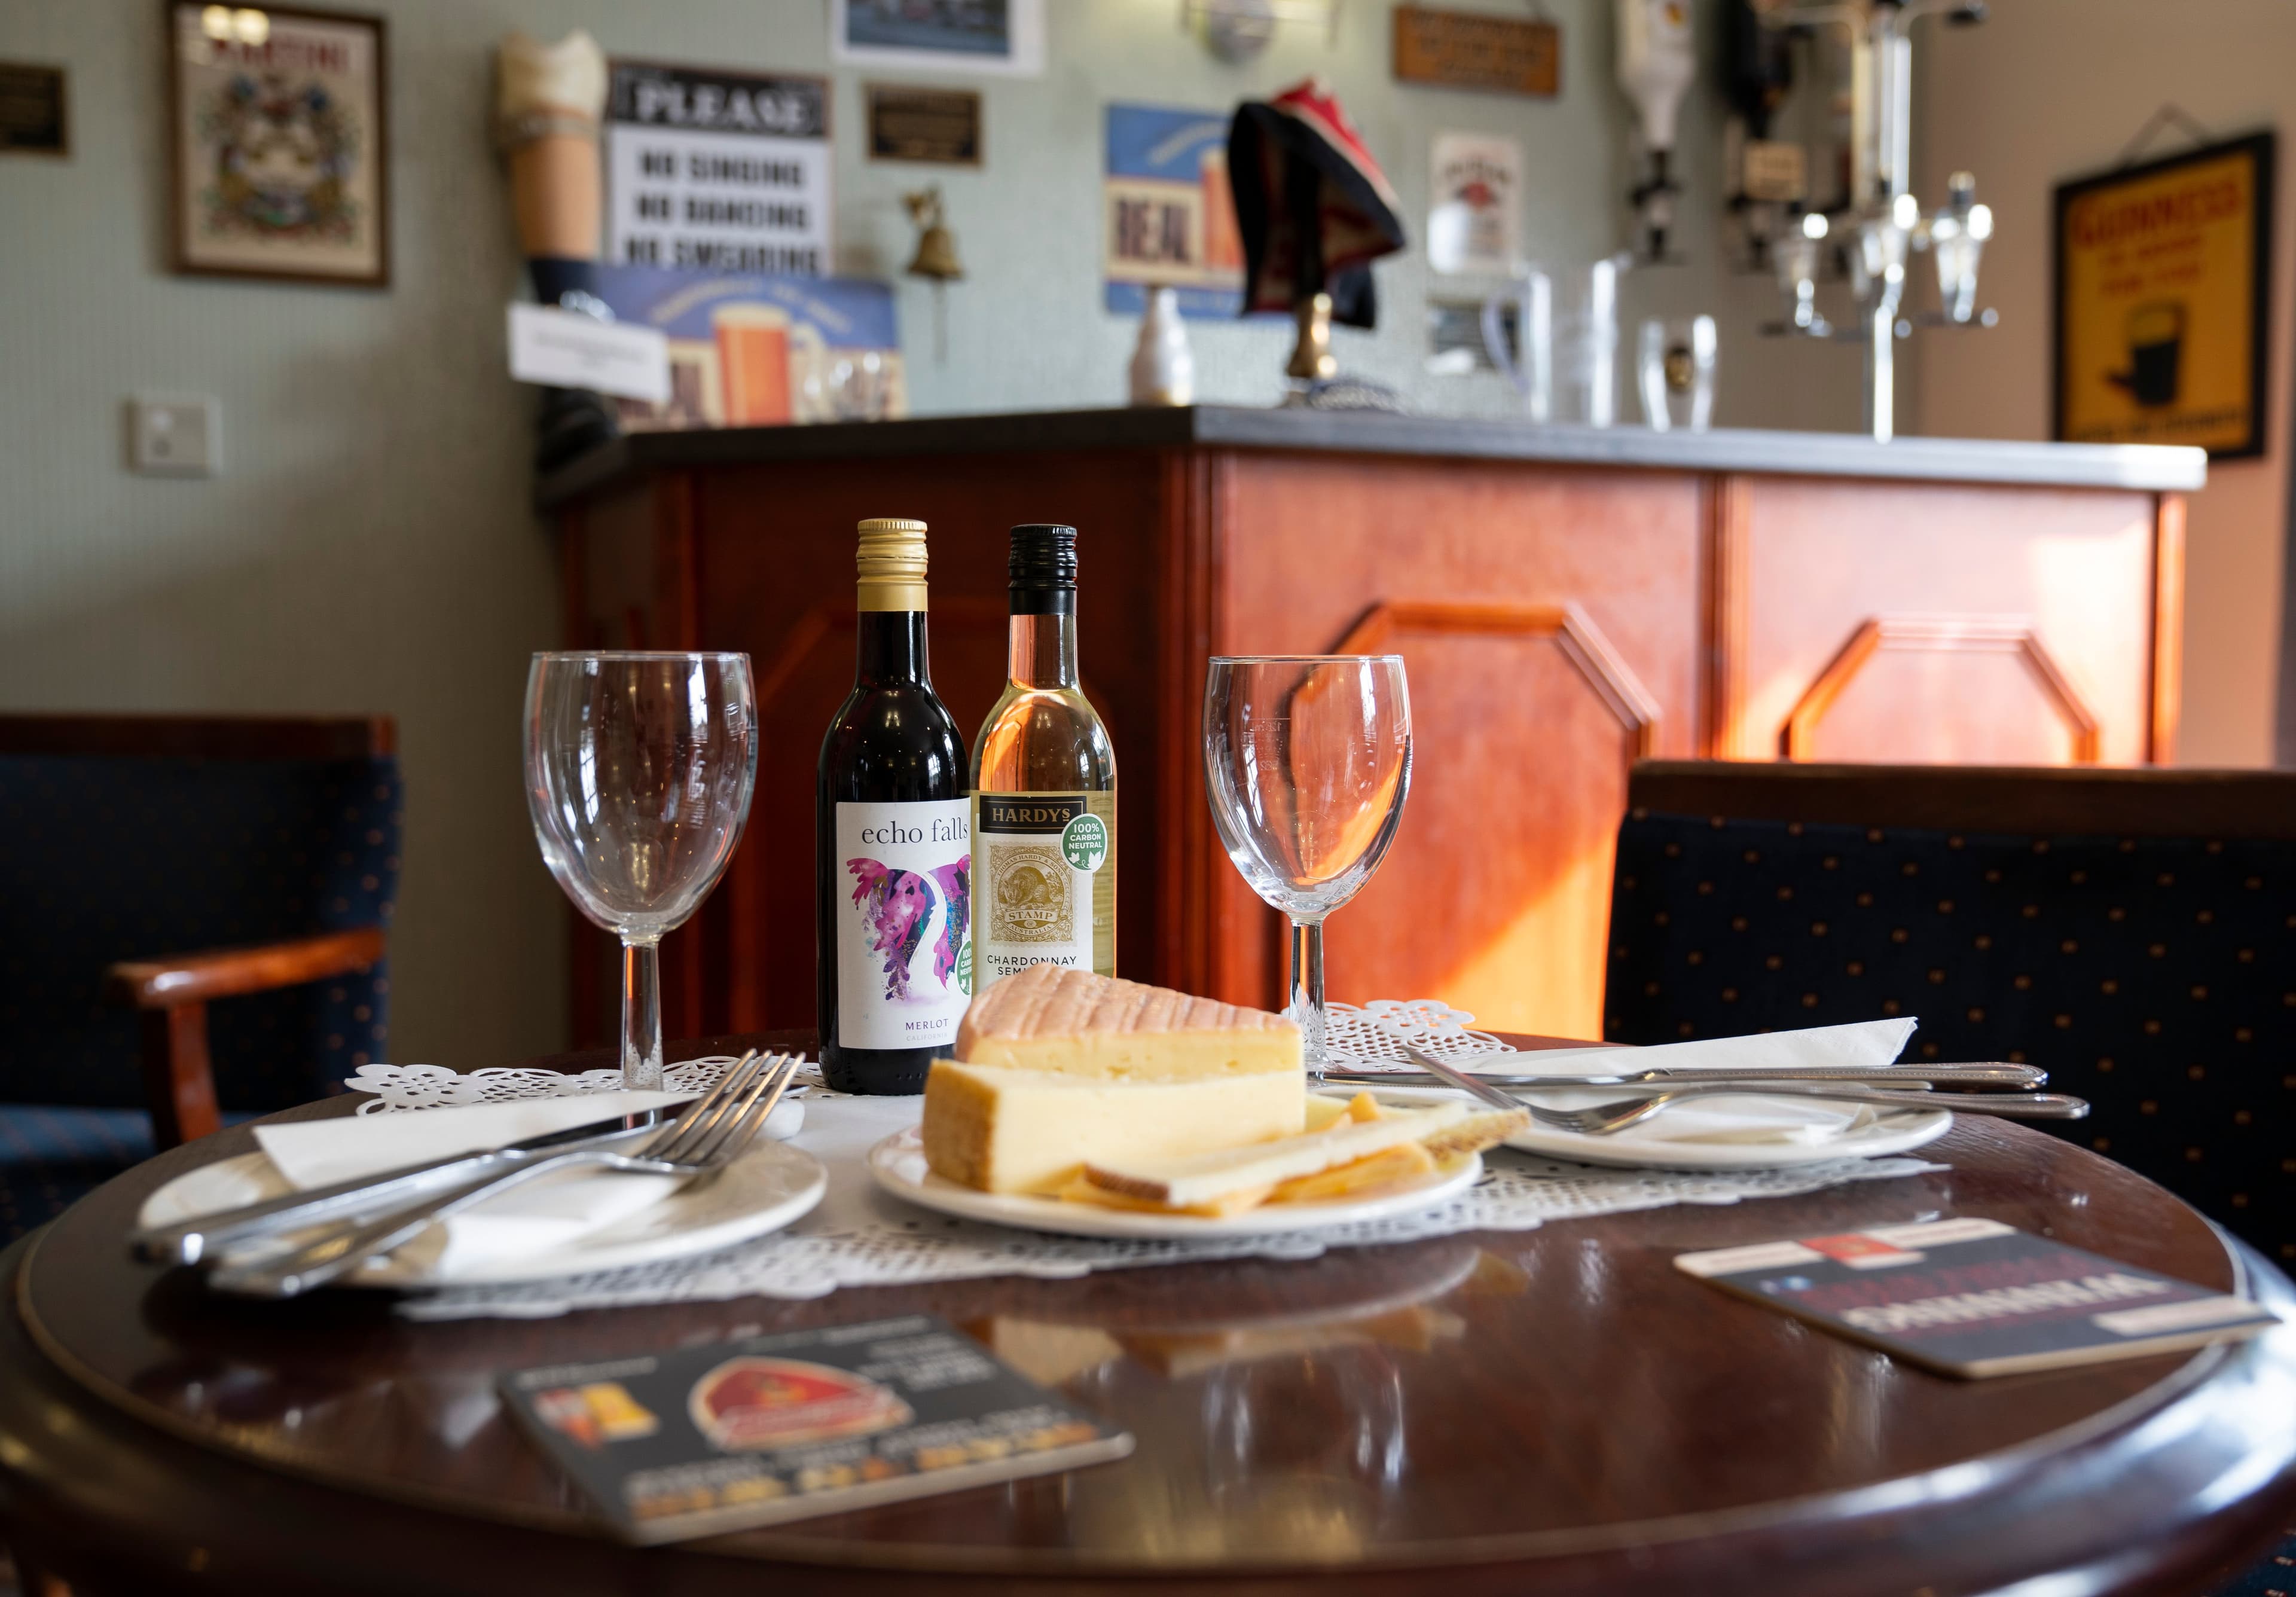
1307	760
638	772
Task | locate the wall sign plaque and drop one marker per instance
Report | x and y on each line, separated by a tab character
280	151
32	119
715	170
2162	282
1474	50
907	123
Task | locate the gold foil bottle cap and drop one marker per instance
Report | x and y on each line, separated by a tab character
892	563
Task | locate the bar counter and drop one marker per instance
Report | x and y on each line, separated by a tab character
1568	600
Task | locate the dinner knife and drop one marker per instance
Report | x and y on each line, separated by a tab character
189	1241
1969	1077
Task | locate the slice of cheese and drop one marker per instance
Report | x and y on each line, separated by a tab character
1074	1023
1003	1130
1185	1180
1396	1167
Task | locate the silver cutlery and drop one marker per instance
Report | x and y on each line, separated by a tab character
1467	1084
188	1241
714	1131
2000	1076
1604	1119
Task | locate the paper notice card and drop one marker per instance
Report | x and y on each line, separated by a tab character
709	1440
1973	1298
567	350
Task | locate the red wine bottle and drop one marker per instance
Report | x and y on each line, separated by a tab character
892	843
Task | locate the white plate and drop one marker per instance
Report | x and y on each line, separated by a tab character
1891	1133
899	1164
1635	1150
770	1186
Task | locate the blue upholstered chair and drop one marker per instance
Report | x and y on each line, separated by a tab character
2129	931
150	866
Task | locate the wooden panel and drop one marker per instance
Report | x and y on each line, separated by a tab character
1520	870
2167	651
1901	671
1521	758
777	544
1729	601
2077	568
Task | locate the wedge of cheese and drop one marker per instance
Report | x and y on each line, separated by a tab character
1005	1130
1194	1179
1074	1023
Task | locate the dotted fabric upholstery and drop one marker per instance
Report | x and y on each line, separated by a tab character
52	1156
2275	1576
106	858
2149	976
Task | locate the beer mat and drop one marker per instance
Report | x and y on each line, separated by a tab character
1976	1298
705	1440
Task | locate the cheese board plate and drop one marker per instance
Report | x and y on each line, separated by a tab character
898	1164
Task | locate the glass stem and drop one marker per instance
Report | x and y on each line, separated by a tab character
1307	1001
641	1016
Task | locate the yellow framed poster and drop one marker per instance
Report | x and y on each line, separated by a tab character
2164	276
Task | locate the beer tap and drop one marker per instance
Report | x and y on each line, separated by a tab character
1884	225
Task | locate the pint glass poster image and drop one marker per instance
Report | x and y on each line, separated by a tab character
2162	275
1168	214
278	152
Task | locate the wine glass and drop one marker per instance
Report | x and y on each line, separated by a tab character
638	772
1307	760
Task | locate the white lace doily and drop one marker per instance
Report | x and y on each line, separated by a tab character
433	1086
860	1236
1375	1034
1359	1037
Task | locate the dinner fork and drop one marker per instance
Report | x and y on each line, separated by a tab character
709	1137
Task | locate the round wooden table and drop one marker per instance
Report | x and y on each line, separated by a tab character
1551	1410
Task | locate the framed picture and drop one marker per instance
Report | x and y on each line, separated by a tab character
2163	281
1003	37
279	148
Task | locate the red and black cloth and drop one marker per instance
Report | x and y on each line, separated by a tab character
1312	206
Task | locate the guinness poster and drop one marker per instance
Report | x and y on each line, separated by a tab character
2162	278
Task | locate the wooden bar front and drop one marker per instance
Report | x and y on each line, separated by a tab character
1565	600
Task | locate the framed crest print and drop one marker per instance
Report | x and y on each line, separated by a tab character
279	151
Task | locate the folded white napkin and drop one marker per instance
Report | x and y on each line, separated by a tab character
546	1213
1753	1118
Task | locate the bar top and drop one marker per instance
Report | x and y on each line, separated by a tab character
2137	466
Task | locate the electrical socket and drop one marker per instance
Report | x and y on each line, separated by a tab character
175	435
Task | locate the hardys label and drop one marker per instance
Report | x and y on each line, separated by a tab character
1047	882
903	953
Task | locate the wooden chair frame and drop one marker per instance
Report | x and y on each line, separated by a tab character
171	992
2106	801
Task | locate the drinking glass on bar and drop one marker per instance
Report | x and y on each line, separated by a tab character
638	773
1306	761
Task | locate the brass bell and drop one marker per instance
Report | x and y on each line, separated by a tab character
1312	359
936	256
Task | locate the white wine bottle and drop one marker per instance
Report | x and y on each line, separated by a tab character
1044	787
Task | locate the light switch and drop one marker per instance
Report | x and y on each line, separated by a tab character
175	435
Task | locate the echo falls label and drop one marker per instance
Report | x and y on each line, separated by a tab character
903	954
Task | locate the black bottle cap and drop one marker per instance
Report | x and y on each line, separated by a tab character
1043	572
